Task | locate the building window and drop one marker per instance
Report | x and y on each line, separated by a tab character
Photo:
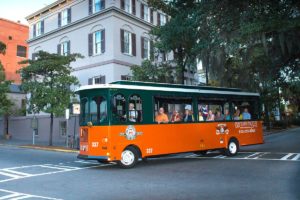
64	17
128	6
145	42
128	42
125	77
64	48
161	19
38	28
96	6
97	42
146	13
21	51
96	80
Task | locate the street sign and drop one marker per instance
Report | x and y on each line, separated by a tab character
76	108
67	114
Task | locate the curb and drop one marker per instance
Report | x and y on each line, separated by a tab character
49	149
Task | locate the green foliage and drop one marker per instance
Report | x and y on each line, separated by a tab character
151	72
49	82
5	103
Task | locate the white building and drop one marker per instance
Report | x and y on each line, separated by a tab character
112	35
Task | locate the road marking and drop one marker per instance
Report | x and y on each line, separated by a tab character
16	172
296	157
287	156
220	156
10	175
17	195
252	155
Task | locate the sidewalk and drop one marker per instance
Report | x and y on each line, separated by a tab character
39	145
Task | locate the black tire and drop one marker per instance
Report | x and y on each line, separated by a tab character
233	147
129	158
201	153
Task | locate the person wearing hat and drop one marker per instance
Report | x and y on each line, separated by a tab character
188	115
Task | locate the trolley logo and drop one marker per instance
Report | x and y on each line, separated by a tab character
246	127
222	129
130	133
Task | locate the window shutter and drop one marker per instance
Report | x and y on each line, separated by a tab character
69	47
133	6
59	19
102	81
90	44
103	41
33	56
59	49
123	4
151	16
151	50
102	4
90	81
69	15
90	7
133	40
142	47
158	19
142	11
42	27
164	57
122	40
34	30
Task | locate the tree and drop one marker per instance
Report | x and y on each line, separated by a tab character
48	80
5	103
152	72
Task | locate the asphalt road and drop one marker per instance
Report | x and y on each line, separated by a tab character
268	171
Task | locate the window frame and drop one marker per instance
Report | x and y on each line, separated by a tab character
21	52
128	36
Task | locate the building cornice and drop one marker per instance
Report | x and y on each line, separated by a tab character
103	12
113	61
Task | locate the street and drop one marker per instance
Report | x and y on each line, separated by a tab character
267	171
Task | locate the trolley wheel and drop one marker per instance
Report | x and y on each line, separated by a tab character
129	158
232	148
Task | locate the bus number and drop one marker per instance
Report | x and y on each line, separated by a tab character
149	150
95	144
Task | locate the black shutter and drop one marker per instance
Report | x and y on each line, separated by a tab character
102	4
122	40
142	47
33	56
69	15
158	19
90	44
151	16
142	11
34	30
69	47
151	50
133	40
102	79
42	27
103	41
59	19
122	4
90	81
133	6
90	7
59	49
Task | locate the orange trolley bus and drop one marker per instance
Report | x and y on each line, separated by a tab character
118	121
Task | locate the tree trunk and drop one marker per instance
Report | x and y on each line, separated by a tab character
51	129
267	118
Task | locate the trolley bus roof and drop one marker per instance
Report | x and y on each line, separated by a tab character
137	85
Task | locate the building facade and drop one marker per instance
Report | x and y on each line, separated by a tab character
112	35
14	36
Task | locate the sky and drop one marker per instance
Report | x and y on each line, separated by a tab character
17	10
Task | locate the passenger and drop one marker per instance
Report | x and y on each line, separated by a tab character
132	113
237	115
210	116
246	115
227	115
219	116
175	116
200	117
161	117
204	109
188	115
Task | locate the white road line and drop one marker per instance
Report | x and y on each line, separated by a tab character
63	166
85	162
296	157
252	155
287	156
16	172
24	197
220	156
54	167
10	175
10	196
259	155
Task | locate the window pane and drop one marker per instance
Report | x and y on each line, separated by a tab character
97	42
98	111
119	109
64	17
128	6
21	51
135	108
97	5
127	42
84	117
